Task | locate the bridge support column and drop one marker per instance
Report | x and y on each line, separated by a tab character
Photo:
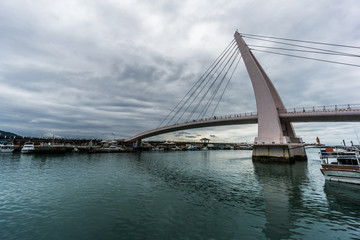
276	139
137	144
288	153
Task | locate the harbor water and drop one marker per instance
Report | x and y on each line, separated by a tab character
172	195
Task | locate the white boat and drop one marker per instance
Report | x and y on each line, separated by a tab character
6	147
175	148
157	149
110	149
191	148
28	148
340	166
114	148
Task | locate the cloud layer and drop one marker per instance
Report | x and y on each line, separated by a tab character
116	68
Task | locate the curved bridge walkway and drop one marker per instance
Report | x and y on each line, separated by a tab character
337	113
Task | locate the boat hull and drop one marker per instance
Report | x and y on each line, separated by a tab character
346	174
28	148
7	150
27	151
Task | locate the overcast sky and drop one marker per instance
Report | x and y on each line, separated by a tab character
114	68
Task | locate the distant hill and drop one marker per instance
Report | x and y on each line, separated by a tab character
7	134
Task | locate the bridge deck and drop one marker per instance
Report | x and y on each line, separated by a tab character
335	114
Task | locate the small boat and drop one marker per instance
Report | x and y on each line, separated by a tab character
175	148
6	147
110	149
191	148
157	149
28	148
114	148
340	166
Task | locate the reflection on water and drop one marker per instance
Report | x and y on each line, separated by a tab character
171	195
344	204
344	195
281	186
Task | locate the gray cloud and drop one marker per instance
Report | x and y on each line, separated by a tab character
190	136
181	134
105	68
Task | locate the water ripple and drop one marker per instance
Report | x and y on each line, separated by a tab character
171	195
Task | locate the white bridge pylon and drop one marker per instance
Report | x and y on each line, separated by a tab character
271	130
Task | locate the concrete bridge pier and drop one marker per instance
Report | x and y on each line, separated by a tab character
137	144
287	153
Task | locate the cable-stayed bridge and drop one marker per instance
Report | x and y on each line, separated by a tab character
276	136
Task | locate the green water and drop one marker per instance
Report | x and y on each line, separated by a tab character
172	195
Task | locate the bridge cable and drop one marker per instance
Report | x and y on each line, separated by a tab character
204	110
219	86
221	61
213	113
316	59
203	96
194	86
295	40
302	46
198	82
200	101
307	51
213	71
207	106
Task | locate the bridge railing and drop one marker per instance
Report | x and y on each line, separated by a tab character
248	114
230	116
330	108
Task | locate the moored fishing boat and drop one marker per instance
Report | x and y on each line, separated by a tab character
340	166
6	147
28	148
191	148
110	149
114	148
